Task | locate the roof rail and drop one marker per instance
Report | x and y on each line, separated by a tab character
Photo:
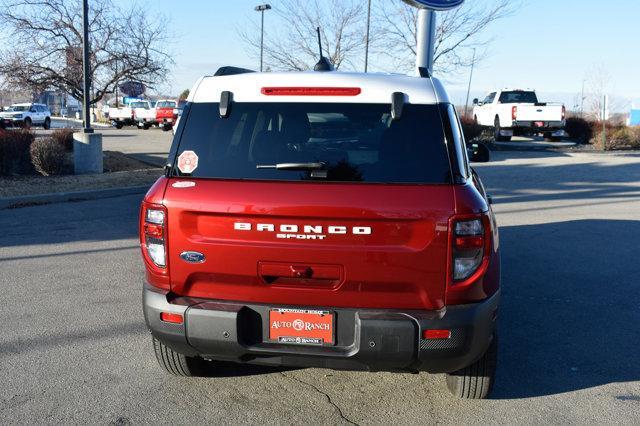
231	71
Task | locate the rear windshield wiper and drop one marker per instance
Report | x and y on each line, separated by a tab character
293	166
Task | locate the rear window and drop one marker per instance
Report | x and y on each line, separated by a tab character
353	142
165	104
518	97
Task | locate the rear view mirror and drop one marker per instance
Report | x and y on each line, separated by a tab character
475	101
478	153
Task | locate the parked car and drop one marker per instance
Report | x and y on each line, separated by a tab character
322	219
121	116
166	113
178	113
26	115
144	113
513	111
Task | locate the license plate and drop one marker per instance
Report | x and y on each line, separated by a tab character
301	326
539	124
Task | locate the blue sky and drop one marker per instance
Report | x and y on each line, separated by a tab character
550	45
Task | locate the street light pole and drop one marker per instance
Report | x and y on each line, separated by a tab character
426	37
582	100
466	104
366	46
261	8
85	62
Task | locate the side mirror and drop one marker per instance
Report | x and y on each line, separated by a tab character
475	101
478	153
32	110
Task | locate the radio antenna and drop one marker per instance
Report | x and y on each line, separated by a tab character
319	41
323	64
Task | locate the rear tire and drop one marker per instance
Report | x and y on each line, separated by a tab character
476	380
47	123
496	132
177	363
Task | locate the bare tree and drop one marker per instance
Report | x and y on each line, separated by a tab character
44	46
458	32
598	84
294	45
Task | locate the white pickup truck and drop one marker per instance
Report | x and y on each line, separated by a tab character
512	111
121	116
144	113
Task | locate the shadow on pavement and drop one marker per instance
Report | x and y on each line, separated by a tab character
570	308
233	369
532	182
89	221
66	338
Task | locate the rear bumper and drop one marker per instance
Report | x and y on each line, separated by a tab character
11	122
374	340
546	125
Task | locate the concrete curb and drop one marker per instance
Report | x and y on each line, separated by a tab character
61	197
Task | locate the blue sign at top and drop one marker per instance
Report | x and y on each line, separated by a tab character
435	4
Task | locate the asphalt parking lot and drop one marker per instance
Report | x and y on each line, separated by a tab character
74	349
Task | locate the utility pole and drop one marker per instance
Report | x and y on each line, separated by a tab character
582	100
87	145
605	100
117	84
466	104
261	8
85	61
366	46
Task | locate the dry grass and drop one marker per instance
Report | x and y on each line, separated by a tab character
120	172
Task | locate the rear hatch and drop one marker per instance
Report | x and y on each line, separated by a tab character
303	204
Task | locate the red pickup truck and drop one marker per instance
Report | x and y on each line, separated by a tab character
322	219
165	114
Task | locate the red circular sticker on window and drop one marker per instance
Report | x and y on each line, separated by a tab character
187	162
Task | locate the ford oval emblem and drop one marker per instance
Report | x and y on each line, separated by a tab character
192	256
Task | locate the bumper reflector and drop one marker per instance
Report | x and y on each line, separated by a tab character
436	334
171	317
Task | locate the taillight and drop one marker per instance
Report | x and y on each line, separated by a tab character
154	234
514	112
311	91
564	112
468	247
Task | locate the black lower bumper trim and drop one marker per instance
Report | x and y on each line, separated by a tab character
366	339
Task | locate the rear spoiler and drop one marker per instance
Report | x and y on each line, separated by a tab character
231	71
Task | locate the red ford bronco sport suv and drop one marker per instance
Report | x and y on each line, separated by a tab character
322	219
